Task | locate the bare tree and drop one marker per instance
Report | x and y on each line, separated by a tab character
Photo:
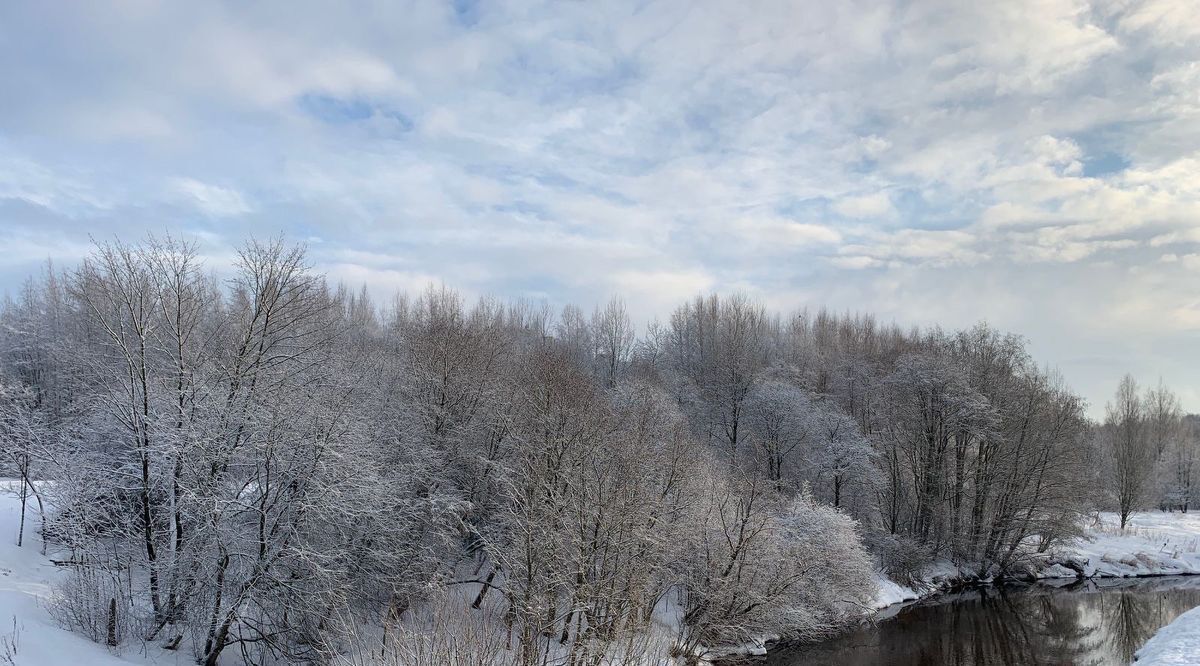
780	417
841	454
718	347
613	336
24	443
1183	458
116	289
1130	453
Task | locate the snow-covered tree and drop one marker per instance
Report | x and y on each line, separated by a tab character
1129	452
781	424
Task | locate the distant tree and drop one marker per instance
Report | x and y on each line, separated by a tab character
1182	463
24	443
841	454
717	347
1164	427
1129	451
613	336
780	419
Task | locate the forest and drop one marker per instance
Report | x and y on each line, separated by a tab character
266	467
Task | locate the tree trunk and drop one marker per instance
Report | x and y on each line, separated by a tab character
112	622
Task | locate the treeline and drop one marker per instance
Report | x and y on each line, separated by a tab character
1150	449
278	466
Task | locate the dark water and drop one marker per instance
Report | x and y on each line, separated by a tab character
1098	623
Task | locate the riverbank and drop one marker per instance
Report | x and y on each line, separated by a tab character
1153	543
1177	644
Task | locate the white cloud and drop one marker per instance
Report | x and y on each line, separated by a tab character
1190	261
20	249
212	199
855	262
1173	21
919	247
877	204
1176	237
382	283
777	231
658	148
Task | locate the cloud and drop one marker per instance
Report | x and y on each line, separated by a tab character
1189	262
383	283
863	155
877	204
784	233
1177	237
23	248
212	199
855	262
919	247
1168	20
653	292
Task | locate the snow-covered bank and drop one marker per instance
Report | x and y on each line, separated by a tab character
891	596
1176	644
1153	543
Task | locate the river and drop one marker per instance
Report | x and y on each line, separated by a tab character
1093	623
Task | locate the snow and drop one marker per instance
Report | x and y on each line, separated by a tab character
1154	543
891	596
25	584
1177	643
890	592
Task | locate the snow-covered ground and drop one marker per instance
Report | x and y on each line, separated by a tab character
25	584
1177	644
1154	543
891	595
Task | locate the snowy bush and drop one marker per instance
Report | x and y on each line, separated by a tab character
772	568
439	633
900	558
94	602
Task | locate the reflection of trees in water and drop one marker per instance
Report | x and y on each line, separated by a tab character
1014	629
1130	619
1065	635
1027	627
992	627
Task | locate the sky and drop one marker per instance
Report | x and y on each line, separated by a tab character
1032	164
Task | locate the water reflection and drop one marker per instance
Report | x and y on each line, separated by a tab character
1080	624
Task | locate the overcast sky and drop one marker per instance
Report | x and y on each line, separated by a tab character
1030	164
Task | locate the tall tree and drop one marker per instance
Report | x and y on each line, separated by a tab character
1129	450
